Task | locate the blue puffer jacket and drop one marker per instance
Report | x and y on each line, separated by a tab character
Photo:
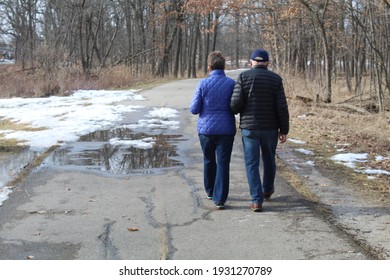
212	102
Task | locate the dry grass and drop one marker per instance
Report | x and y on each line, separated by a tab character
337	125
10	146
15	82
326	129
10	125
37	83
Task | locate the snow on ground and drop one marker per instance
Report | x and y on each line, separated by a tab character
65	119
305	151
370	171
7	61
4	192
296	141
157	119
145	143
348	159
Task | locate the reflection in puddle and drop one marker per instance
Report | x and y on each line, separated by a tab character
129	152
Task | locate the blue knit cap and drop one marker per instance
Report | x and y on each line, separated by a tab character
260	56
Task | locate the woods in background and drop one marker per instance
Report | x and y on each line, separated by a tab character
323	41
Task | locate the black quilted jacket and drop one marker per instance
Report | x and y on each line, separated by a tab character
260	99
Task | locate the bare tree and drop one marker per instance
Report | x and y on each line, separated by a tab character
322	41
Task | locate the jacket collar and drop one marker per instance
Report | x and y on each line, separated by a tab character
260	66
217	72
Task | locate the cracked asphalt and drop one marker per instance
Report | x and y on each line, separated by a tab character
56	213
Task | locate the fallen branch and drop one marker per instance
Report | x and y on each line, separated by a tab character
304	99
345	107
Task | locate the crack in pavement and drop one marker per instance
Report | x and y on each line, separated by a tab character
109	250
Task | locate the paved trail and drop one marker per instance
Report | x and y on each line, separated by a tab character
58	213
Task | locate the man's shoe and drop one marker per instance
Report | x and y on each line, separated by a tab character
209	197
256	207
267	195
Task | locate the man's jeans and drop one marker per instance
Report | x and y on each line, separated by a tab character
254	141
217	150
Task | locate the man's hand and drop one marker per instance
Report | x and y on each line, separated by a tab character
282	138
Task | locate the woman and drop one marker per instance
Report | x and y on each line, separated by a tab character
216	127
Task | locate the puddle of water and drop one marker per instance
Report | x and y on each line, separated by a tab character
95	152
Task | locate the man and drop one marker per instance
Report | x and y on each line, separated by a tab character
264	118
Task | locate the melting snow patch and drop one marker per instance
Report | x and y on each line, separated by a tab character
7	61
296	141
163	113
380	158
374	172
304	151
65	118
145	143
4	192
159	118
349	159
154	124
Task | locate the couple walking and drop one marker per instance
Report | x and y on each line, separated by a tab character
258	96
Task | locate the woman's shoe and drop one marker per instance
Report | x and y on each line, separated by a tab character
220	206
